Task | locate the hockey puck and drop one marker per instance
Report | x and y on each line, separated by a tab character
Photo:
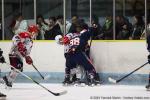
112	80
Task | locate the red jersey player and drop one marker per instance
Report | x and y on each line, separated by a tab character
21	48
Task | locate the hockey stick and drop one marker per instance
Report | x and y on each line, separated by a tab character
117	81
56	94
44	78
90	44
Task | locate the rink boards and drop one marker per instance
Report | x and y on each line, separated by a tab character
111	58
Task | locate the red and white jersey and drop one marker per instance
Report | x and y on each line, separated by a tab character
70	36
23	37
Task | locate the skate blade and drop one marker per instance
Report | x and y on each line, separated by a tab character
91	85
2	98
98	84
67	85
80	84
148	89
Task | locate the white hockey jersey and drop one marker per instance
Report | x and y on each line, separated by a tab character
25	38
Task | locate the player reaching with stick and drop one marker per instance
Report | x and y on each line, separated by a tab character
21	48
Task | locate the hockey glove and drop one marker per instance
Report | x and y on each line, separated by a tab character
148	57
66	40
2	59
28	60
21	48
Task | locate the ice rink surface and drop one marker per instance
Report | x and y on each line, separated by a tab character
104	92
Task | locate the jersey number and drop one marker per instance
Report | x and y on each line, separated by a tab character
75	41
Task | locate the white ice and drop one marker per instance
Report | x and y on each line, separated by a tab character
103	92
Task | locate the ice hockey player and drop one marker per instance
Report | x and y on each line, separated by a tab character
75	55
21	48
70	68
148	48
2	60
72	74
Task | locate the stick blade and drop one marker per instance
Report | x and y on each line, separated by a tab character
112	80
61	93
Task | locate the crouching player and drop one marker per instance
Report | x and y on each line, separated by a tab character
2	60
75	54
21	48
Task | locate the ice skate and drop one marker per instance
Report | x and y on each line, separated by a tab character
7	83
97	80
2	96
91	81
79	82
67	81
148	87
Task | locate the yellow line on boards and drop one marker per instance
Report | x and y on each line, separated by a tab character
119	40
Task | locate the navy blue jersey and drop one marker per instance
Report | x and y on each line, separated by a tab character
77	55
80	42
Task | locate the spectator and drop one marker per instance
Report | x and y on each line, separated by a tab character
53	29
43	27
107	28
60	22
96	29
123	28
19	25
73	24
0	28
138	27
143	36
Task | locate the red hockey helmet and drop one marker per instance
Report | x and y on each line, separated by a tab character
33	30
24	35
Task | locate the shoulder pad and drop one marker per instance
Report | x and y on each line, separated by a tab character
24	35
83	31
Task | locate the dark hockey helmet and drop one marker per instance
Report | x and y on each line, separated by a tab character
81	24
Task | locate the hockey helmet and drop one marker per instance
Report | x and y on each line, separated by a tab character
24	35
58	39
33	30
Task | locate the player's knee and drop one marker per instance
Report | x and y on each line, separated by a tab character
16	62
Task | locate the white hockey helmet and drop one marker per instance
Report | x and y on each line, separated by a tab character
58	39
